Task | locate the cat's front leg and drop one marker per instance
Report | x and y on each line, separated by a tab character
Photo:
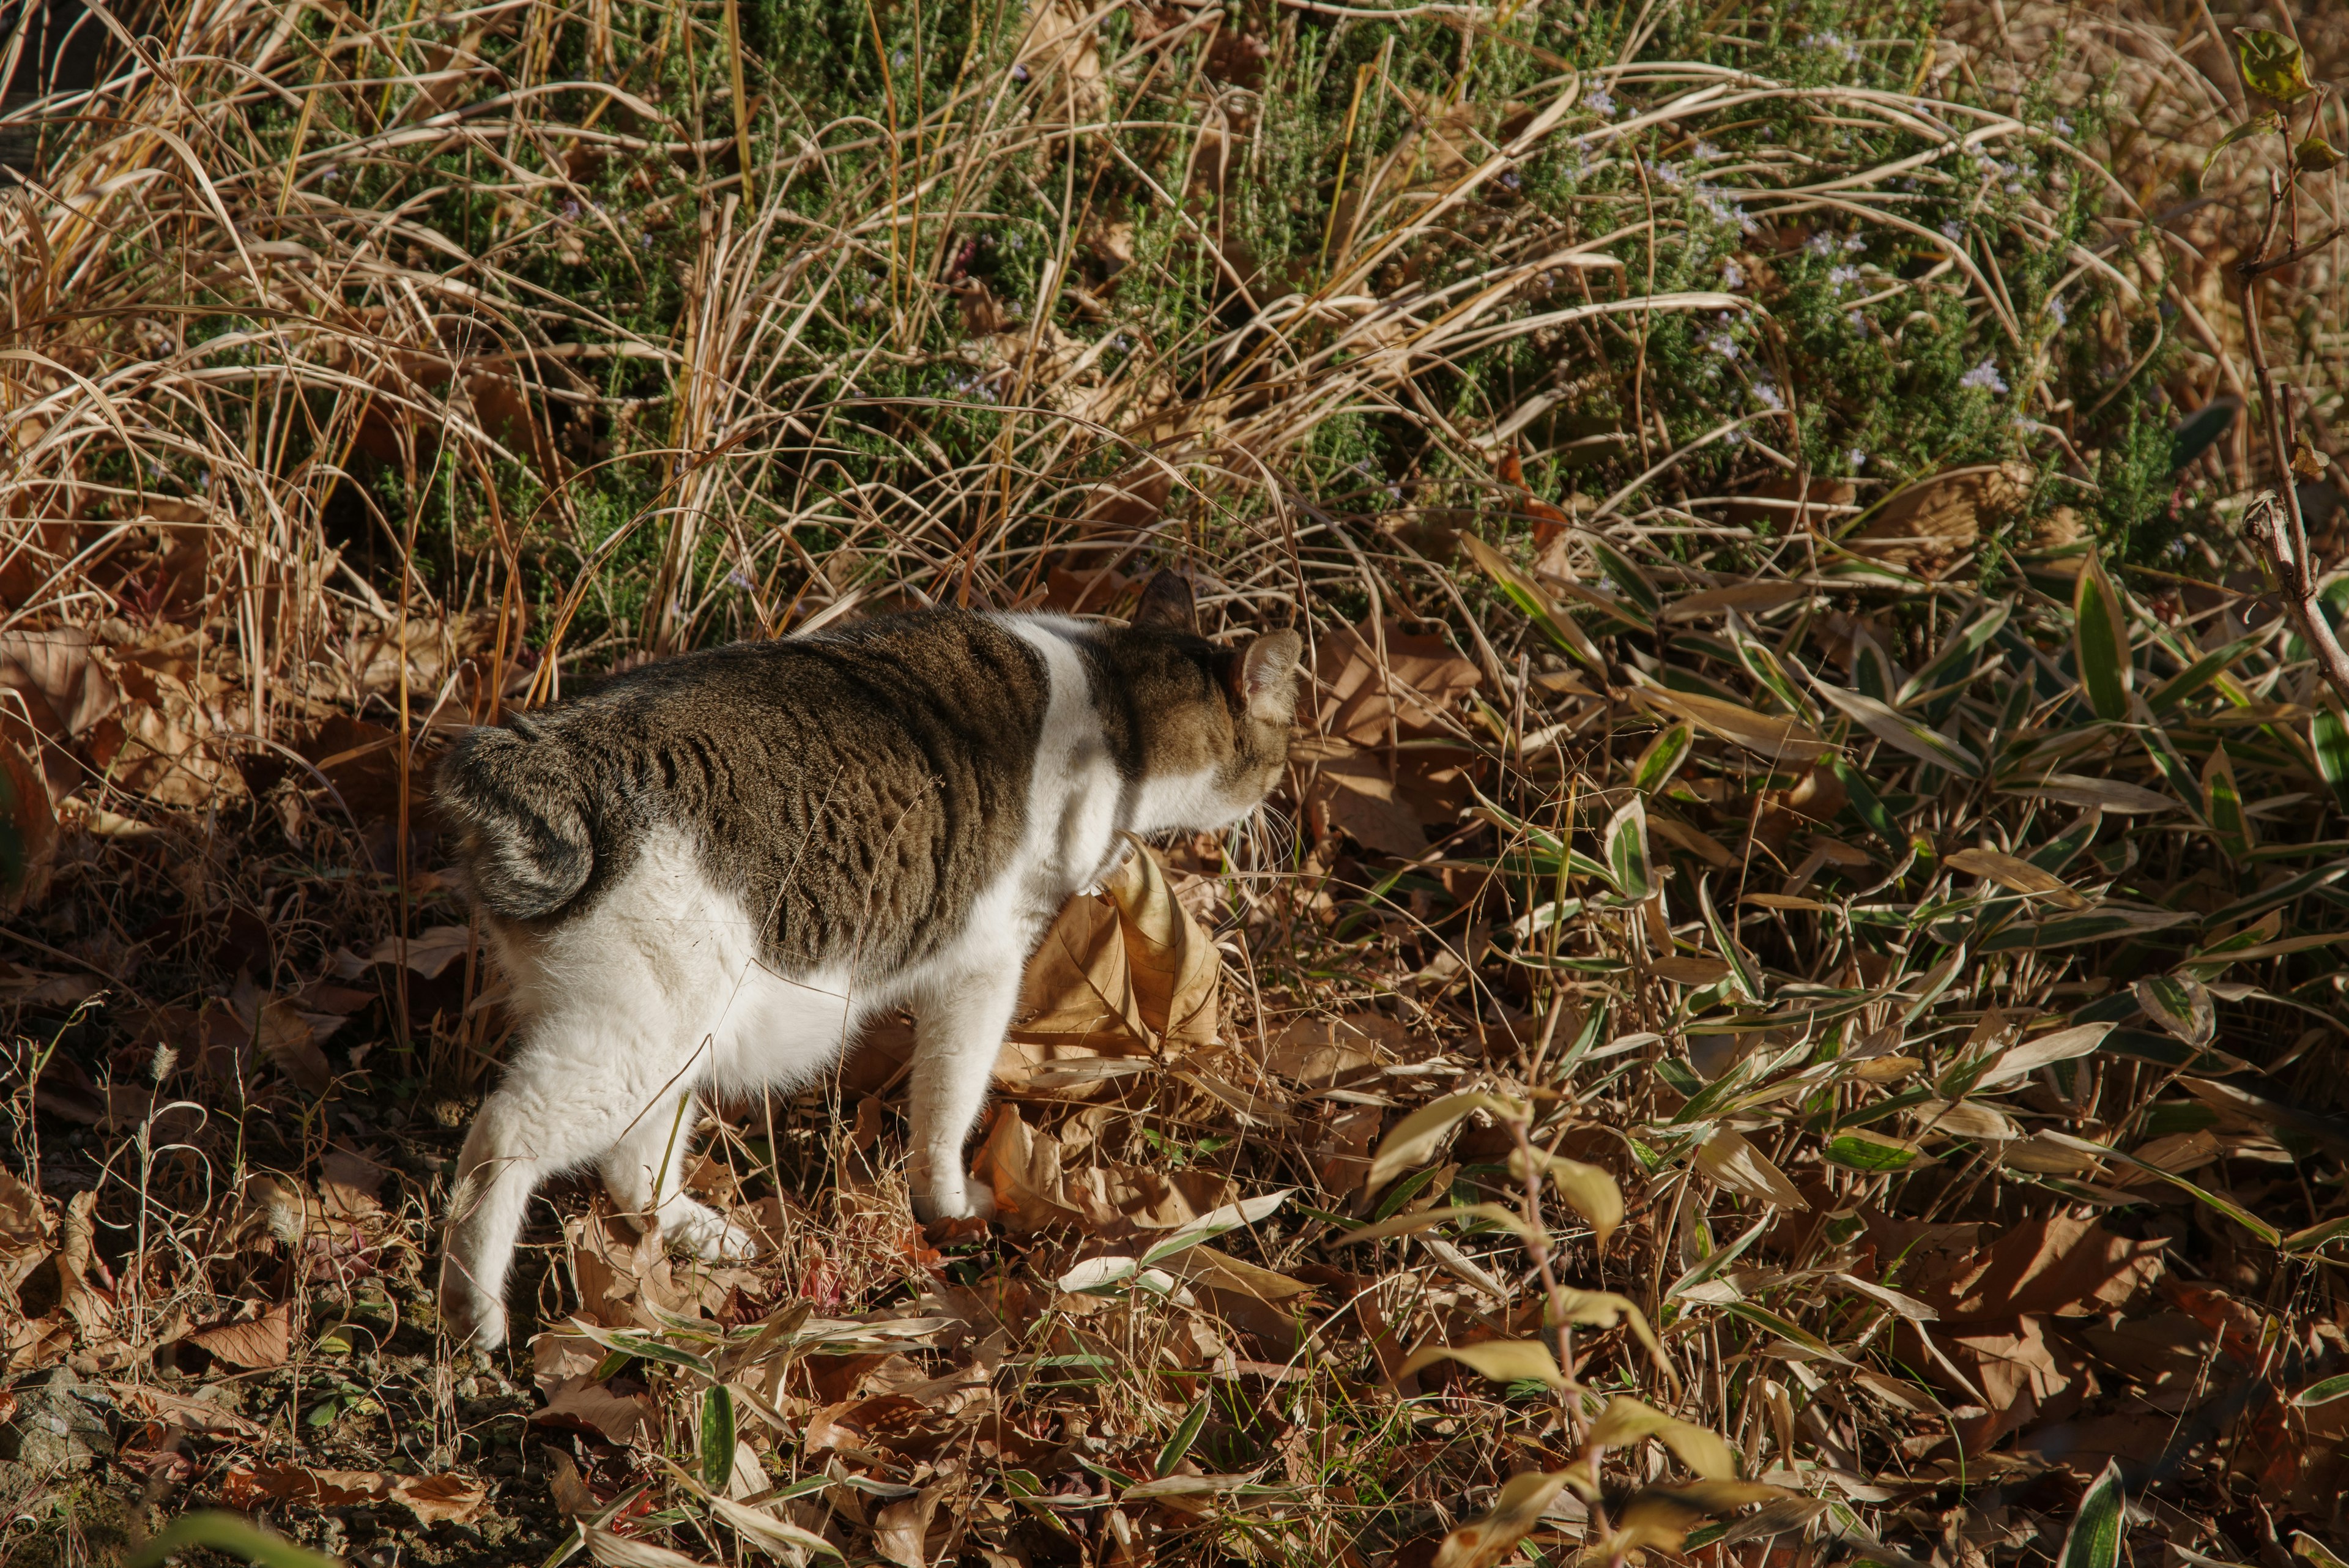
958	1034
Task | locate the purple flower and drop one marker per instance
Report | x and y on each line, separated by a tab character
2057	312
1767	393
1732	275
1665	174
1983	378
1019	73
1706	153
1952	230
1722	344
1600	102
1820	245
1843	275
1856	458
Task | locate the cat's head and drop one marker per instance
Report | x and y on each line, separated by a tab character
1203	729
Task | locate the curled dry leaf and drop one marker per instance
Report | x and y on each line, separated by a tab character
1587	1190
1515	1510
1417	1136
1737	1164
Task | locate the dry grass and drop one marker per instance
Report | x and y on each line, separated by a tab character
373	373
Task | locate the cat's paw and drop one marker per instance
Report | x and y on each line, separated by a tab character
708	1234
470	1317
969	1203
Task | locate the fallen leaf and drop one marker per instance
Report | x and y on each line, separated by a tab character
428	953
256	1345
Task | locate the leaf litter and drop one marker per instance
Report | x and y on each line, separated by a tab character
1732	1055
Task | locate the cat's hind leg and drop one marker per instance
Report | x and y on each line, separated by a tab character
644	1174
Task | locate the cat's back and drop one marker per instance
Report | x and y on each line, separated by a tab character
849	784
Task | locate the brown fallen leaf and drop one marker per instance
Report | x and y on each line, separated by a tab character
24	807
1484	1541
1173	965
901	1531
256	1344
617	1417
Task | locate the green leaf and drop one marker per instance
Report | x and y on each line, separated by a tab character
226	1533
2094	1538
1870	1152
2200	431
2272	65
1959	651
2236	133
2090	926
1742	965
2228	1207
1763	663
2202	673
1865	803
2319	1554
1626	849
2100	642
1526	593
716	1437
2314	155
1634	584
2222	805
2316	1235
1184	1435
2328	738
2180	1005
2322	1392
1664	758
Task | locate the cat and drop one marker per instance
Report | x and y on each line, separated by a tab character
702	877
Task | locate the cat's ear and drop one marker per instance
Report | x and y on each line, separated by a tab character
1166	602
1264	677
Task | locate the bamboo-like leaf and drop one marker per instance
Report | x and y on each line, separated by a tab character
1625	846
1737	1164
2094	1539
1516	1509
2180	1005
2018	1061
1742	963
1587	1190
2100	641
1605	1309
225	1532
1625	574
1662	759
779	1538
1767	736
1522	591
1415	1137
2328	741
2322	1392
2235	133
2017	876
1857	1148
2228	1207
1442	1214
2222	805
1502	1360
1216	1223
1896	729
2319	1555
1626	1421
716	1437
1184	1435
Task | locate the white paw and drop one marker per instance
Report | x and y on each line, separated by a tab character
706	1234
966	1203
469	1316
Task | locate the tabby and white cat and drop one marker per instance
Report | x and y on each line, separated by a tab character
702	878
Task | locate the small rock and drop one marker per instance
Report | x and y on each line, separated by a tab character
59	1424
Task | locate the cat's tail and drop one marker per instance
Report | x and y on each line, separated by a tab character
522	816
